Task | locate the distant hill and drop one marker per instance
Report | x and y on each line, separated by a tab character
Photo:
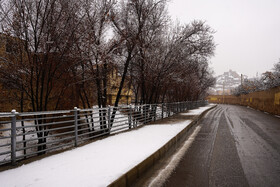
230	80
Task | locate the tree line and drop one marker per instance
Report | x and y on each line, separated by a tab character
268	80
59	48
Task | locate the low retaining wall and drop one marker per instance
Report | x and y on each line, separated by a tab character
267	101
129	178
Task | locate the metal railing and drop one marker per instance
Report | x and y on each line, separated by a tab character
23	135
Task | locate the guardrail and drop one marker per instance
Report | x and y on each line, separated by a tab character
24	135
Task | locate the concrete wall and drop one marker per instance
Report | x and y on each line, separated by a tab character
268	101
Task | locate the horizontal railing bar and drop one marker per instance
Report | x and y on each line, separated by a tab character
137	115
81	124
46	130
86	129
60	134
82	119
45	124
44	118
5	122
49	136
41	144
3	130
57	123
5	162
45	150
4	137
98	135
4	153
88	114
91	109
5	145
44	113
98	121
87	133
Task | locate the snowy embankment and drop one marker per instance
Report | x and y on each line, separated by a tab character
98	163
197	111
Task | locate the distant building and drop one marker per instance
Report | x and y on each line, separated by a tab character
114	81
9	50
10	98
226	82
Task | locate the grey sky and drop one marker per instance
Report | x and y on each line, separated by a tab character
247	31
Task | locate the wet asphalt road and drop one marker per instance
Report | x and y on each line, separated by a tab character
236	146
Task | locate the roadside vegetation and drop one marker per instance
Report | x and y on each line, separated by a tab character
61	53
268	80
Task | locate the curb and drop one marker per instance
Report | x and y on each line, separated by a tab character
129	178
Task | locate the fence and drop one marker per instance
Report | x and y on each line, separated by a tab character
24	135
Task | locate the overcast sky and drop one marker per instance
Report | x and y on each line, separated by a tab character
247	31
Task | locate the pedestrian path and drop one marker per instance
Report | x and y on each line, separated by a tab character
98	163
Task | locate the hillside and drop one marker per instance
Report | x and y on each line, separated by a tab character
230	80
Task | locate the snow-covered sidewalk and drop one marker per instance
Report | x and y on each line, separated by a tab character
98	163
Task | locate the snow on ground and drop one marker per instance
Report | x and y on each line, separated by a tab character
98	163
197	111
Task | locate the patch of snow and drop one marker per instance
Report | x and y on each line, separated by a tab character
96	164
196	111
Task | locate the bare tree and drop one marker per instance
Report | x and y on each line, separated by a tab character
131	21
177	59
44	31
67	44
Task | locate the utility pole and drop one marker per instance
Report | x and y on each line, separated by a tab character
224	92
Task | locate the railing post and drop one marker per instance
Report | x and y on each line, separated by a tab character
168	110
162	105
129	116
76	125
109	119
145	113
136	112
180	107
155	112
13	137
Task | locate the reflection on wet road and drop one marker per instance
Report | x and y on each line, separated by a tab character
236	146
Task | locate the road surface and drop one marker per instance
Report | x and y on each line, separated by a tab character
235	146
